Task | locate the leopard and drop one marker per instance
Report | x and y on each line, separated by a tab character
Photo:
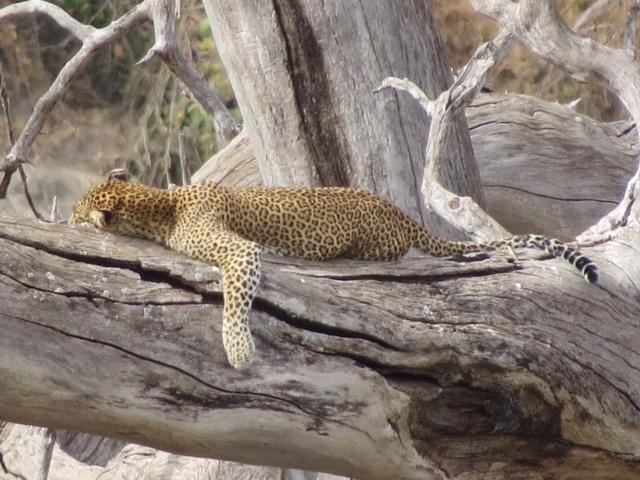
231	226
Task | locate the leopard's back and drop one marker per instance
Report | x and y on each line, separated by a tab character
318	223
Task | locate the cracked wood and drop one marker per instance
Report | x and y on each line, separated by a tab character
422	368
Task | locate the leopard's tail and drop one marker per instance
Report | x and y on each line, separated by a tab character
439	248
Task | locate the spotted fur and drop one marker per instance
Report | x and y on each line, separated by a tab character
230	226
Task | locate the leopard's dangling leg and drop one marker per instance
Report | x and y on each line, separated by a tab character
240	277
240	268
239	262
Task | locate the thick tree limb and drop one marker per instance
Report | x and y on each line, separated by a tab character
537	160
508	367
537	24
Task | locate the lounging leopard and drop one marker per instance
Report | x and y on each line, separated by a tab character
231	226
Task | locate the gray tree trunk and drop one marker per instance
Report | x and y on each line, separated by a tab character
304	74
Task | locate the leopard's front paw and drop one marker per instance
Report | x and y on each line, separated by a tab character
239	347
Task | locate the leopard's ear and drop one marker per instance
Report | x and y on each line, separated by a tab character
100	218
118	175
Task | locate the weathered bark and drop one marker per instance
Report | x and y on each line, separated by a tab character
537	24
475	369
128	461
304	75
536	163
546	168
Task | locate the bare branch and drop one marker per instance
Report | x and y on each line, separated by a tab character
411	88
475	73
55	211
593	10
461	212
184	163
6	106
164	14
31	7
92	43
25	186
537	24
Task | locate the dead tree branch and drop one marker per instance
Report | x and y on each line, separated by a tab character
93	40
462	212
481	380
591	12
164	15
536	23
6	178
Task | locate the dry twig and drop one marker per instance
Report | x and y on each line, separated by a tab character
4	185
184	163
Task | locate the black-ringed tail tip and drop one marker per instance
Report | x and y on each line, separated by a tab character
587	267
576	258
556	248
439	247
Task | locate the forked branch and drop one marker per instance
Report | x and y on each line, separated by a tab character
537	24
95	39
462	212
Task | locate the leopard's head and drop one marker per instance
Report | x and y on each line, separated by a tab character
124	207
101	202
